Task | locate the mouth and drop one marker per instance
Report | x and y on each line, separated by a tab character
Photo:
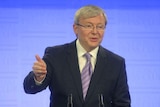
94	39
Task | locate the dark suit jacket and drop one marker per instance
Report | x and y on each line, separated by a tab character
63	78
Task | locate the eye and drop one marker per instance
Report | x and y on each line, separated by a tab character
100	27
88	26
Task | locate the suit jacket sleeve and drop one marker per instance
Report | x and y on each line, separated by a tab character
29	83
121	97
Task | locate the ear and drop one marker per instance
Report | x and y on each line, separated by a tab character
75	28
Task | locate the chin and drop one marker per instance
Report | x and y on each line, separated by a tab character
94	44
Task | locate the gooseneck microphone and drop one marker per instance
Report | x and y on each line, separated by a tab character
70	101
101	102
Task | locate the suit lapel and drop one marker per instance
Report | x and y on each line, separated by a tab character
98	72
73	63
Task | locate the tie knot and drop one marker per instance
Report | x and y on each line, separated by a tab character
88	56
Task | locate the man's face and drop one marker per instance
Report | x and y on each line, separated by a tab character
90	31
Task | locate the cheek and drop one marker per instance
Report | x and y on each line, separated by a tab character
102	34
83	34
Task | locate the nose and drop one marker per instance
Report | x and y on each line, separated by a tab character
94	30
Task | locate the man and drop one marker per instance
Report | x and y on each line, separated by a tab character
61	68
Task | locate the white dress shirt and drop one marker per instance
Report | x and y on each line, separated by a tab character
81	59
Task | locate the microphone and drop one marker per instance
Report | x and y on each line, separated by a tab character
101	102
70	101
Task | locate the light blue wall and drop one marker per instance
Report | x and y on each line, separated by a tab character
27	27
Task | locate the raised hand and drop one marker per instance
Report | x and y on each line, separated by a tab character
39	68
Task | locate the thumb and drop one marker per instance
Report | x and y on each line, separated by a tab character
38	58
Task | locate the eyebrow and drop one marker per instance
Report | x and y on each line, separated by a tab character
93	23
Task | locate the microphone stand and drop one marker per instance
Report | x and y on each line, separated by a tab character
70	101
101	102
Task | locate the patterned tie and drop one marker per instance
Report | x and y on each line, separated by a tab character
86	74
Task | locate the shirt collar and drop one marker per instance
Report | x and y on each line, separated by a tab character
81	51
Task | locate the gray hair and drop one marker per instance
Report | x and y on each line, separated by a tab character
88	12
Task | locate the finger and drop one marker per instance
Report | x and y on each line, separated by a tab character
41	61
38	68
39	72
38	58
39	64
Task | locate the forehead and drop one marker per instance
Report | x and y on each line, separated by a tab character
95	19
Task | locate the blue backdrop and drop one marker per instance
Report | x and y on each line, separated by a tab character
27	27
